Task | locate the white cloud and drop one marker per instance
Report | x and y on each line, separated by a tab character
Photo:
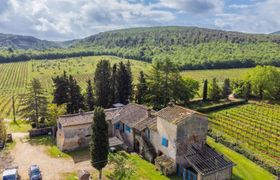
195	6
67	19
261	17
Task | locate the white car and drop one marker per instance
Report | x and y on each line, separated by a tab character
11	174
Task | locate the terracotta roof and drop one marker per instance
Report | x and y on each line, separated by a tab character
114	141
85	117
132	114
175	114
146	123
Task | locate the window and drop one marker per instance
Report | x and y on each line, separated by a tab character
127	129
164	142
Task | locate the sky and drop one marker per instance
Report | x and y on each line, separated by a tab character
72	19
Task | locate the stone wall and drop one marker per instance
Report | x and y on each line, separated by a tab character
192	130
225	174
169	131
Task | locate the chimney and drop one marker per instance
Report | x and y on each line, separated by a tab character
171	103
81	112
149	112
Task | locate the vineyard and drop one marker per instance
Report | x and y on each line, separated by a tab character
14	77
254	126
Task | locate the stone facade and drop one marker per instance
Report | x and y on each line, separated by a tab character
175	135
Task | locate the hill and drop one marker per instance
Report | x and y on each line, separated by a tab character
25	42
275	33
190	47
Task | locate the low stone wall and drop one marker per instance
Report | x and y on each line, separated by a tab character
42	131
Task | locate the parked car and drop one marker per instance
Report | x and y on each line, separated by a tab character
9	138
11	174
34	173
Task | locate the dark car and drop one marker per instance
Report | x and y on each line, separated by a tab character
9	138
34	173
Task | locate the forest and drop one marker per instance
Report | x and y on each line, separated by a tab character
190	47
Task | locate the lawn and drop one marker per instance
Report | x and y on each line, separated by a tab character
18	126
244	169
144	169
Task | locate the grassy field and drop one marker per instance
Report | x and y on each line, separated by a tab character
244	169
14	77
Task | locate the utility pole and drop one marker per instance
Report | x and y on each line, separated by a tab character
14	109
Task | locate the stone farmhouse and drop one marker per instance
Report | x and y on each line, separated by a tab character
173	138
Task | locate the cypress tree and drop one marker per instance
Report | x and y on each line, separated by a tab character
102	84
124	83
114	95
214	90
226	88
99	142
89	96
75	97
61	89
205	89
141	88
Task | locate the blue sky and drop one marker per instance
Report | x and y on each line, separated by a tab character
70	19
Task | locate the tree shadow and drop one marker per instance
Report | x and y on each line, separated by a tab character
79	155
40	140
236	177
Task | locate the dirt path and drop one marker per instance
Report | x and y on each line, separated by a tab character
26	154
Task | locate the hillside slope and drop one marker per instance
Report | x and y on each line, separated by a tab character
190	47
25	42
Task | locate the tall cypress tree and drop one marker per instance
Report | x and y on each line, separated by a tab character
214	90
99	142
114	94
61	89
76	99
205	89
226	88
89	96
124	83
141	88
102	83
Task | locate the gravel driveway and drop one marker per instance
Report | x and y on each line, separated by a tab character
25	155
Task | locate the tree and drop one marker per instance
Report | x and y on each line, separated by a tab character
54	112
76	99
99	142
165	83
155	88
205	89
89	96
124	82
226	88
264	82
123	167
114	88
34	102
102	83
3	130
214	90
61	89
141	88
